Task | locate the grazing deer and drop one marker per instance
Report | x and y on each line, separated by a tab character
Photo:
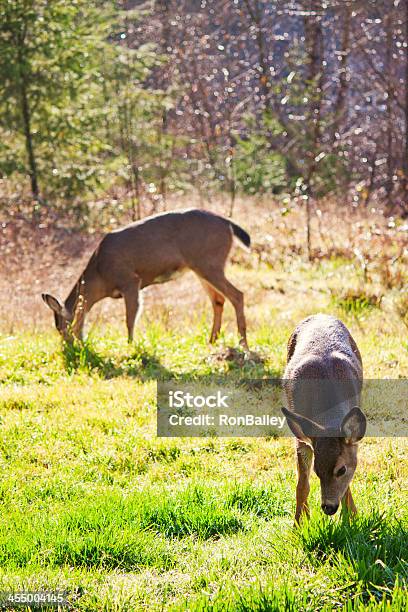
155	250
322	383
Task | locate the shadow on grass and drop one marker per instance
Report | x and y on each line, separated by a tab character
141	364
145	365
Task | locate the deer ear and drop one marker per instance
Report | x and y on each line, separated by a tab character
354	426
53	303
302	427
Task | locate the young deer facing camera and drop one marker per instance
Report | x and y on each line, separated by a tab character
322	383
151	251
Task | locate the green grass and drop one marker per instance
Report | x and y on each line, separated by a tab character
91	501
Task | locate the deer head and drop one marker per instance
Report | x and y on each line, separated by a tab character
335	452
63	318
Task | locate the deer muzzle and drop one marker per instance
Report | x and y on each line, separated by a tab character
330	509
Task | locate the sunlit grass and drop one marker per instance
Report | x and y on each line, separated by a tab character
93	502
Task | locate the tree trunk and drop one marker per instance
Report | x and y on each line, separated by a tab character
26	114
163	83
232	184
256	17
340	104
389	183
315	53
405	151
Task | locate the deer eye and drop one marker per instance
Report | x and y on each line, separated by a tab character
341	471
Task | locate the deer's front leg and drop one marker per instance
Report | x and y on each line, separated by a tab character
132	302
348	504
304	454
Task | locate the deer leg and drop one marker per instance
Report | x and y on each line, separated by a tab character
132	303
217	301
304	456
347	503
77	326
218	281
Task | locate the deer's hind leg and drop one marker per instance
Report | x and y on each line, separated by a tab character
216	278
217	301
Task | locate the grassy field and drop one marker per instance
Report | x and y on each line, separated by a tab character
93	502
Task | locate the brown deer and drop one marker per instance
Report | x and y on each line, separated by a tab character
322	383
155	250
